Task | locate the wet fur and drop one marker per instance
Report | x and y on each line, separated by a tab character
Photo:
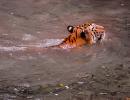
86	34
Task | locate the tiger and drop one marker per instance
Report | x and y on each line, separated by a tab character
85	34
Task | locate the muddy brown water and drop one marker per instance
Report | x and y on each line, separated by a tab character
99	72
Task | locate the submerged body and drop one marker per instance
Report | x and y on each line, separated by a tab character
86	34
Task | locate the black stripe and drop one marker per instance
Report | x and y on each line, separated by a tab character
74	39
71	41
69	38
92	28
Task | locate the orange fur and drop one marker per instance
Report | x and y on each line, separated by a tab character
86	34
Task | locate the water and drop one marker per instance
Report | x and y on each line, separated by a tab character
26	27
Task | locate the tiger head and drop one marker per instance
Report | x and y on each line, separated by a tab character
83	34
88	31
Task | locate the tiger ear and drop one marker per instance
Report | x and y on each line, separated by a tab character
70	28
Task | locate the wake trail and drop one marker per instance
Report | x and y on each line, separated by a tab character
32	46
